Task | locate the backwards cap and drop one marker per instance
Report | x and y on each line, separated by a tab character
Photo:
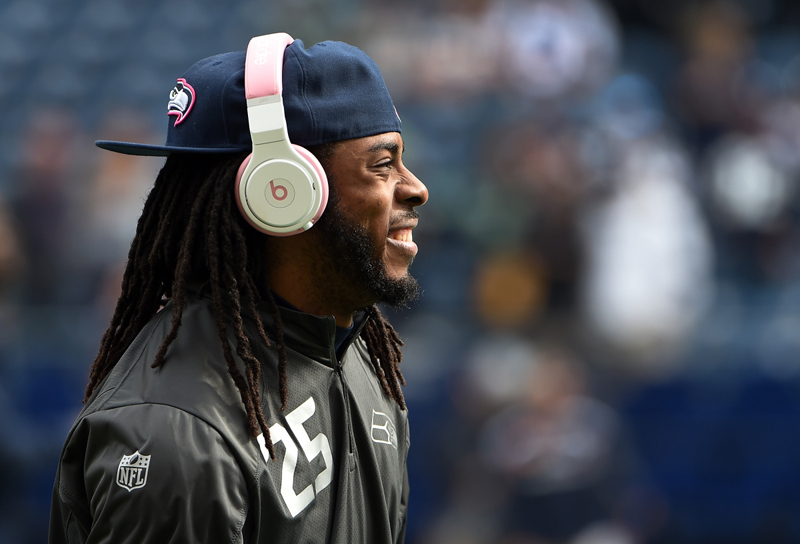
332	91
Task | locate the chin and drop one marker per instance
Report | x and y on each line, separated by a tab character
399	292
399	276
397	270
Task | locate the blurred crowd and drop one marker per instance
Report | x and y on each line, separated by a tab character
607	350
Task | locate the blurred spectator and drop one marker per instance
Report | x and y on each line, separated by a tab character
25	444
552	49
712	96
748	190
510	290
538	163
450	57
649	270
548	462
559	447
541	49
43	202
751	184
113	201
11	259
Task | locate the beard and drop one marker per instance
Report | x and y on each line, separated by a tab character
352	253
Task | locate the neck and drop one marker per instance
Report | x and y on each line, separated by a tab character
307	301
300	276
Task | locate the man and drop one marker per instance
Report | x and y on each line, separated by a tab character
247	389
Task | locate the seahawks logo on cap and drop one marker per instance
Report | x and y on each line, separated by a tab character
181	100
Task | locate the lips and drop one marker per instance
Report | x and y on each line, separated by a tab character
402	239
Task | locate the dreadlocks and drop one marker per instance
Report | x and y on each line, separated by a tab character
191	231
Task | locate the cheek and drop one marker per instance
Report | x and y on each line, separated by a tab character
372	212
380	219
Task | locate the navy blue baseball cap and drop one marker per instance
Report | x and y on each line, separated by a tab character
332	91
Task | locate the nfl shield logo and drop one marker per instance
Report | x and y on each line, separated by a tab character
132	471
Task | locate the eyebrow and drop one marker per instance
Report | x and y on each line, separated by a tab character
387	145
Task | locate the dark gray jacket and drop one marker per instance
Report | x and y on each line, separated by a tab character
164	455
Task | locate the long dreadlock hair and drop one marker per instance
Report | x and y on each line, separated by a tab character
191	231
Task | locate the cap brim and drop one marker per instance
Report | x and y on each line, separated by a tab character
147	150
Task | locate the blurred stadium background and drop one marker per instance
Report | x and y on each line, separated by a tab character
608	347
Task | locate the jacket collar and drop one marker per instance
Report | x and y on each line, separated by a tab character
313	336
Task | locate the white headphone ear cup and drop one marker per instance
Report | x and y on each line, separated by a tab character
279	196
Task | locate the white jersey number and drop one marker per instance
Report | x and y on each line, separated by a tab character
296	503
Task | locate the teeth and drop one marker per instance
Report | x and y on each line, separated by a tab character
402	235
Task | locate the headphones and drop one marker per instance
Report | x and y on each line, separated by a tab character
281	188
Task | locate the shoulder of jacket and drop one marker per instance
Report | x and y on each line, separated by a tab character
193	378
132	458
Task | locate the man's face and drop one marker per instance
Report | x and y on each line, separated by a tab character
367	225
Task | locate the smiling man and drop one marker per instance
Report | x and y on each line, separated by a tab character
248	388
363	246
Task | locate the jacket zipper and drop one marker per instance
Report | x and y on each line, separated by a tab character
346	390
346	398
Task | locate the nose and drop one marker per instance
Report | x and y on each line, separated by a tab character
411	190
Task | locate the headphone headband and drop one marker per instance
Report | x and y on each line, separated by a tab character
260	80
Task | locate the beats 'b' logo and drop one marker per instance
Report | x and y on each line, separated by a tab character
280	193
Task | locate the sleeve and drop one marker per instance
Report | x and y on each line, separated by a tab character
149	473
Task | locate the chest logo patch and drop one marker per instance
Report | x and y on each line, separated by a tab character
132	471
383	429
